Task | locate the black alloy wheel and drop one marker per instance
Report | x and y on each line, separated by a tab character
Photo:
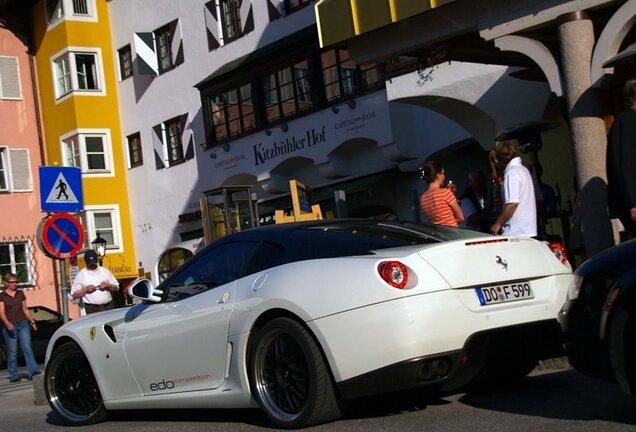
289	377
71	388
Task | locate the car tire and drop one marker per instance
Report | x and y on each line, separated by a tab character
622	348
289	377
71	387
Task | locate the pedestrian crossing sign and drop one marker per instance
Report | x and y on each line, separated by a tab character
61	189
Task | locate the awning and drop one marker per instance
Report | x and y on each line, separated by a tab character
339	20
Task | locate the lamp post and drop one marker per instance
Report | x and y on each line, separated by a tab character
99	246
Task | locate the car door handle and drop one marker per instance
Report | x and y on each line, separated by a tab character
224	298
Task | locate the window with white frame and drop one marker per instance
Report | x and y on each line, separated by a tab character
76	71
10	87
16	256
73	10
135	156
104	219
88	150
15	170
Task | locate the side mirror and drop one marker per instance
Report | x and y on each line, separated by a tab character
143	289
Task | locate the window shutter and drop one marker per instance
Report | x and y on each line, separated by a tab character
146	57
275	9
187	137
212	25
10	78
157	146
247	17
176	42
20	170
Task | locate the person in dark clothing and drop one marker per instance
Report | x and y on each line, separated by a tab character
474	200
17	326
621	154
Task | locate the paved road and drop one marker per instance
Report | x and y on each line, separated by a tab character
549	400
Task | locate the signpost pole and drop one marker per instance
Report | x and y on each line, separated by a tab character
64	290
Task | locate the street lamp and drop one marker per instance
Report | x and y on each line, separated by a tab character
99	246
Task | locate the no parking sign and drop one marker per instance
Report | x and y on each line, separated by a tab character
61	235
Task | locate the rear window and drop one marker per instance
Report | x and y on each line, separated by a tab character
334	240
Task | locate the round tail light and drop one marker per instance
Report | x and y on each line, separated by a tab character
394	273
559	252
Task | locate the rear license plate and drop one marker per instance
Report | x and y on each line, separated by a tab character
504	293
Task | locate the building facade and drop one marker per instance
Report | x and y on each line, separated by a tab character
21	153
78	94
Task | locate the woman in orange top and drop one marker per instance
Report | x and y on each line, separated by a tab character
439	204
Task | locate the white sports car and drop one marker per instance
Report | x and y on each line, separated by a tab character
297	318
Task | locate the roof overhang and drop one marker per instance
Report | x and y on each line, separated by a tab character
339	20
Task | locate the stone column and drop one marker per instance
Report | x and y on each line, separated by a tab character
587	130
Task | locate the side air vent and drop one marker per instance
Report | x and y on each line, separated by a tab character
109	331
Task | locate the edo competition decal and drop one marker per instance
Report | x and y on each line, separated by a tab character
92	333
170	384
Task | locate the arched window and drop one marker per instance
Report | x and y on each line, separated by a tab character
171	260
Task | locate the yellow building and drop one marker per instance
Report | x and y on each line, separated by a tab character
77	77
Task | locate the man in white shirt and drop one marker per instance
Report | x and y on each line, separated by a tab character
519	215
93	284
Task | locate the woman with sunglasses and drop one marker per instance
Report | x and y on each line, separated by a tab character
18	322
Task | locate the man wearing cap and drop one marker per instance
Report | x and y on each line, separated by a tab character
93	285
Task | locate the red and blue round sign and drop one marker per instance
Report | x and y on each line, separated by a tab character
62	236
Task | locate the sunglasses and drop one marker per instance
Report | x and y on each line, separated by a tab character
14	281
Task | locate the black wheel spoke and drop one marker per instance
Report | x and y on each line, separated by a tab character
71	386
288	376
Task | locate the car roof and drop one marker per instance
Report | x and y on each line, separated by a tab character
278	232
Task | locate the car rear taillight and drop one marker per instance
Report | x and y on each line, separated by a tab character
394	273
559	251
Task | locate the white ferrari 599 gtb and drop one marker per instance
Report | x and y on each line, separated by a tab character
298	318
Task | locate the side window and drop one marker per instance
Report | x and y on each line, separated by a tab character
266	255
159	51
17	256
173	141
15	170
135	156
218	266
10	87
89	150
125	62
78	72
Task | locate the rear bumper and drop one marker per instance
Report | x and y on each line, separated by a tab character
397	335
450	371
